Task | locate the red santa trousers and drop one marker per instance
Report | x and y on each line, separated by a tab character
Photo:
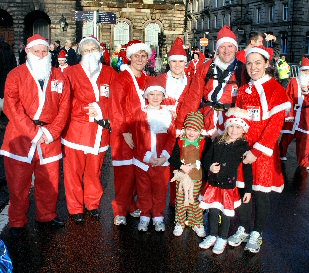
82	180
302	149
19	178
125	190
152	187
285	141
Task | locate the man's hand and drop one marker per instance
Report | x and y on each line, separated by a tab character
128	139
249	157
215	167
186	168
91	111
43	139
247	198
270	37
161	161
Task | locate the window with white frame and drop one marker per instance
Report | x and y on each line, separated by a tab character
151	34
271	13
285	11
216	21
258	15
121	33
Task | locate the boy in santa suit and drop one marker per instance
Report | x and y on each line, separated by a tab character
153	133
86	136
216	83
62	60
176	84
297	121
37	104
126	101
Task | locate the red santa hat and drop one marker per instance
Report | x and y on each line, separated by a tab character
62	56
264	51
154	84
226	35
177	52
36	39
237	116
90	38
102	45
304	64
135	46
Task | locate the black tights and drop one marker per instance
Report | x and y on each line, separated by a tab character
262	208
214	223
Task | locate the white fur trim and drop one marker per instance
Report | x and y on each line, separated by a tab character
140	164
237	121
267	189
132	49
125	162
86	149
123	67
304	68
219	206
258	50
154	88
37	42
147	156
226	40
177	58
263	149
166	154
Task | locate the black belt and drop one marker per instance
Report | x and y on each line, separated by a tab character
39	123
217	106
104	123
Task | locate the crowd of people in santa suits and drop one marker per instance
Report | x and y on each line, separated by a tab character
77	111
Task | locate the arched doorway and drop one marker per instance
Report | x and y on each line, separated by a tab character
37	22
6	27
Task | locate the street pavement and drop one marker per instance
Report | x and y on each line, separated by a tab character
100	246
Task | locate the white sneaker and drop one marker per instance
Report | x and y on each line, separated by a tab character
159	225
178	230
143	225
199	230
219	246
283	158
254	243
208	242
136	213
120	220
239	237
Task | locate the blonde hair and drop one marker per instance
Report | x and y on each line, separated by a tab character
225	137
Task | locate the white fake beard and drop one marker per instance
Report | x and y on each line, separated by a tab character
40	67
91	62
303	79
223	66
159	120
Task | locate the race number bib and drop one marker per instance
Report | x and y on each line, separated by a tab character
56	86
104	90
254	113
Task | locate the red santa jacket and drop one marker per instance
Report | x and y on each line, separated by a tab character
299	109
82	132
25	101
126	101
266	102
154	135
200	89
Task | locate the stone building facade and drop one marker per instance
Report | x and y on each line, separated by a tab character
286	19
138	19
